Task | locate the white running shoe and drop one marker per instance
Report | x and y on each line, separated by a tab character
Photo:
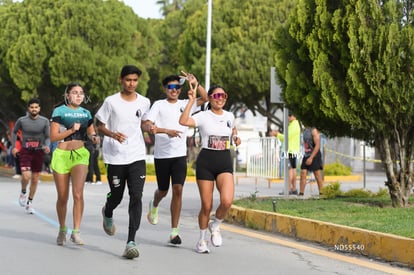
29	208
75	237
216	238
202	247
22	199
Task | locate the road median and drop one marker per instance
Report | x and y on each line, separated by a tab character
345	239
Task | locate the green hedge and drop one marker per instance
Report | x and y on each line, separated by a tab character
150	168
336	169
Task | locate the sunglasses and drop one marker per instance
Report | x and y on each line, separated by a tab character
219	96
174	86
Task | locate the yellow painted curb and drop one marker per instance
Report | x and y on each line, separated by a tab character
150	178
343	178
330	178
6	171
190	179
44	177
345	239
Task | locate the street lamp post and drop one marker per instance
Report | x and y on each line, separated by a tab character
276	97
208	43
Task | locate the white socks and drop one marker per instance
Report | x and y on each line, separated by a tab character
203	234
217	222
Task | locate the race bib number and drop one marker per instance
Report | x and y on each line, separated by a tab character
219	142
32	143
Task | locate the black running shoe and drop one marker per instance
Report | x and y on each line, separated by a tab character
175	240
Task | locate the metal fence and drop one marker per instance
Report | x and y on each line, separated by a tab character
263	158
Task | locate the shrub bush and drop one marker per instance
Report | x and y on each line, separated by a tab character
358	193
336	169
382	192
332	190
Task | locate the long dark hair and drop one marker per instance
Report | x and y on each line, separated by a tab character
69	87
211	91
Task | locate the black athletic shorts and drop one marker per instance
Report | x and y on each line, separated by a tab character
170	168
211	163
292	161
316	163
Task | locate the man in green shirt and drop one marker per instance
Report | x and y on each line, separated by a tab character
293	150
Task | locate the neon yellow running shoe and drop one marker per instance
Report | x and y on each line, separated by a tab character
152	215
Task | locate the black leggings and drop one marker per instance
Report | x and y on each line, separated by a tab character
119	176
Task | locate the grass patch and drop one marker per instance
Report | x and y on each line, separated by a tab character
371	212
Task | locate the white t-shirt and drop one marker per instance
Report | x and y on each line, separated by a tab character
166	115
215	130
123	116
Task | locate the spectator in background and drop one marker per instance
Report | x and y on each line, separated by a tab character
46	163
93	168
17	168
293	151
9	155
312	159
3	150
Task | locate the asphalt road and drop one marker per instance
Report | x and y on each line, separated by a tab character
28	242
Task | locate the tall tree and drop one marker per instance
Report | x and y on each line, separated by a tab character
168	6
44	44
242	48
347	67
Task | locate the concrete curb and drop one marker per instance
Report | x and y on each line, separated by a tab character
346	239
7	171
49	178
192	179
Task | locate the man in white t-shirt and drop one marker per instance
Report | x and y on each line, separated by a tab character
170	151
123	149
